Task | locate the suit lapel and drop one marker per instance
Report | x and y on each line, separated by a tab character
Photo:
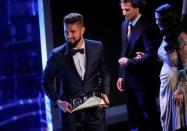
88	55
133	37
135	30
124	35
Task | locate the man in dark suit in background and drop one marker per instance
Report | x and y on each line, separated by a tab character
138	55
81	68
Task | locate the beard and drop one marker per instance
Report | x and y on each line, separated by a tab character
73	43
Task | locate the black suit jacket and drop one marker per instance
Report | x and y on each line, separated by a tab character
60	65
139	72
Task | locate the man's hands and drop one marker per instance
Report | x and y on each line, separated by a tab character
64	106
120	84
123	61
106	100
67	107
139	55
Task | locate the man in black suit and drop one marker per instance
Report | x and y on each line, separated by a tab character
137	60
81	68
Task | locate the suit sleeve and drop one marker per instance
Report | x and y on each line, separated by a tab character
123	35
149	48
104	73
48	78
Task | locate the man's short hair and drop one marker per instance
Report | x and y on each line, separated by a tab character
73	18
136	4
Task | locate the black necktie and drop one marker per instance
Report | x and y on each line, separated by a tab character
80	50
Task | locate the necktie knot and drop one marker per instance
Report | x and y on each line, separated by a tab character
80	50
130	26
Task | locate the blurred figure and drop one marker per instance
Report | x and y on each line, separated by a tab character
79	64
137	74
173	53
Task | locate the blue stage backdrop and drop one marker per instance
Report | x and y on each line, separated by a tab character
22	104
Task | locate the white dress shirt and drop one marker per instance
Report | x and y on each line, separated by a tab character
80	62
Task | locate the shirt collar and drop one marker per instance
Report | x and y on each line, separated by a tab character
83	45
133	22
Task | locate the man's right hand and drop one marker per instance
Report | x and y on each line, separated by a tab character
120	84
139	55
64	106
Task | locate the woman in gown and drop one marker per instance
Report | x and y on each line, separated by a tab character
173	54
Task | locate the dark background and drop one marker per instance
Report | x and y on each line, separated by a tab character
22	102
103	22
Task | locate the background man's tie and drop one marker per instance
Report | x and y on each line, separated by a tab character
130	26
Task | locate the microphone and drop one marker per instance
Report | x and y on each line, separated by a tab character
182	75
185	69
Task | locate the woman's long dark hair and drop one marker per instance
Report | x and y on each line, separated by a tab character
171	24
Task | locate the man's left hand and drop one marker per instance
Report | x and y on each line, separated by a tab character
123	61
106	100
